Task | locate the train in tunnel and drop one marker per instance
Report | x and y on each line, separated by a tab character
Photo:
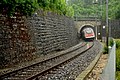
87	33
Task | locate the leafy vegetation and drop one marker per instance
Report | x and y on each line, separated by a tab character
113	9
118	75
79	8
111	42
117	43
105	49
58	6
27	7
118	59
85	8
118	55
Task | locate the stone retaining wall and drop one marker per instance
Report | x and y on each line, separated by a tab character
22	39
114	26
114	29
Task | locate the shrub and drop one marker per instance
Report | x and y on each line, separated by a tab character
117	43
111	42
117	75
105	50
118	59
27	7
118	54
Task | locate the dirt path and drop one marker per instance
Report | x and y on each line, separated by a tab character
97	70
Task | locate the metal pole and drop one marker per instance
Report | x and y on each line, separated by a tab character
101	21
95	2
96	29
96	22
107	27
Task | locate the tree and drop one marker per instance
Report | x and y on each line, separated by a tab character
113	9
27	7
84	8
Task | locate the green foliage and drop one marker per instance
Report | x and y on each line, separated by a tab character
117	16
111	42
113	9
27	7
70	11
118	55
105	49
118	59
44	3
87	8
117	75
117	43
83	8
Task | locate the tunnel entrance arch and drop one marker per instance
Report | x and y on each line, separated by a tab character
83	27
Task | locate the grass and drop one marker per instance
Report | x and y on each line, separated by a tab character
117	56
111	42
117	75
117	59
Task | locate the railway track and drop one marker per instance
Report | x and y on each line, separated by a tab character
47	65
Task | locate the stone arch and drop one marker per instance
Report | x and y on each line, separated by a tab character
85	26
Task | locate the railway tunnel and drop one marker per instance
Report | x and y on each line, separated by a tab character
93	23
83	27
47	42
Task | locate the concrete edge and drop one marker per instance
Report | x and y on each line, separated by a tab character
84	74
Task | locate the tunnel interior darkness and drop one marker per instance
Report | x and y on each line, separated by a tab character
85	26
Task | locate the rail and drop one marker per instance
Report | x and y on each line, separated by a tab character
26	72
86	72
